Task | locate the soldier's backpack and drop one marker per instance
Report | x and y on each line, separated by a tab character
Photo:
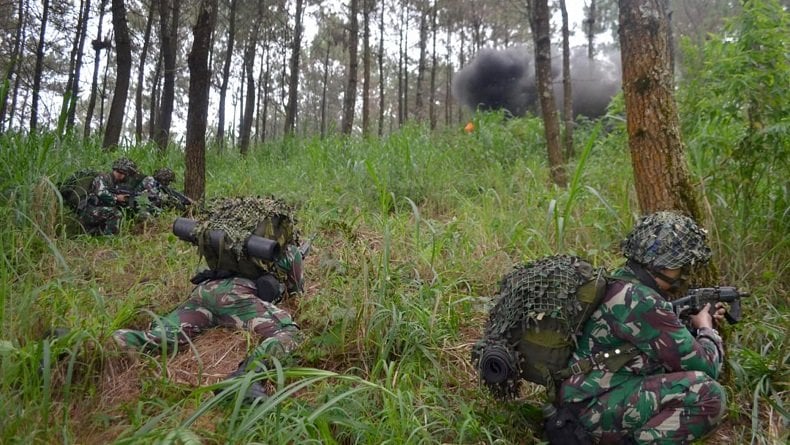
249	237
76	187
530	334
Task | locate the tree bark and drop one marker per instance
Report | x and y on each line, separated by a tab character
98	46
75	88
590	28
567	96
293	79
324	88
68	93
38	72
155	90
138	95
11	72
419	105
197	113
223	89
539	21
366	66
350	96
249	102
168	12
123	59
661	175
382	80
432	95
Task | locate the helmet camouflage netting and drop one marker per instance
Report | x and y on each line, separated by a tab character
125	165
164	176
666	240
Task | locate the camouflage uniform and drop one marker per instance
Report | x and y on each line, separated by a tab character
229	302
101	214
667	394
155	195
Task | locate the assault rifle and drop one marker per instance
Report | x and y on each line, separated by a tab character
696	299
182	198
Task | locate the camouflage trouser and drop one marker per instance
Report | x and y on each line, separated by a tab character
667	409
101	220
217	303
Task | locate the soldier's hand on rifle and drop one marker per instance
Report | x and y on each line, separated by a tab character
718	312
703	318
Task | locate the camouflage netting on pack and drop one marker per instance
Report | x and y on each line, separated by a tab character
531	329
666	240
238	218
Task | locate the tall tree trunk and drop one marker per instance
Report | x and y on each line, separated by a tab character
432	95
197	113
75	88
567	97
541	31
138	95
98	45
223	89
124	60
448	111
382	78
249	103
661	175
103	93
401	69
38	72
324	88
168	12
155	90
266	90
75	47
590	29
419	105
366	7
350	96
11	71
293	80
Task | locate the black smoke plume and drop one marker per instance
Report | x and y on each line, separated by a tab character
505	79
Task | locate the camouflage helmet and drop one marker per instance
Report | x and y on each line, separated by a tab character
125	165
164	176
666	240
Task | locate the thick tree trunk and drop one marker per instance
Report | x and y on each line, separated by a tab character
98	45
223	89
567	96
197	113
293	79
539	20
75	88
124	62
168	15
38	72
661	175
11	72
350	96
138	95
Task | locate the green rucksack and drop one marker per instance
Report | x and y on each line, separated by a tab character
248	236
76	188
530	334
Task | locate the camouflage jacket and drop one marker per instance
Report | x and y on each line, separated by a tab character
632	313
102	188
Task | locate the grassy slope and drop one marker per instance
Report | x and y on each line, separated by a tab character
413	233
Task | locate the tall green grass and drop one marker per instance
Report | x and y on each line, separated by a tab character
413	233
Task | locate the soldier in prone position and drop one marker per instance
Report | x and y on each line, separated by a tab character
101	213
667	392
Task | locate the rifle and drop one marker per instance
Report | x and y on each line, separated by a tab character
182	199
696	299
